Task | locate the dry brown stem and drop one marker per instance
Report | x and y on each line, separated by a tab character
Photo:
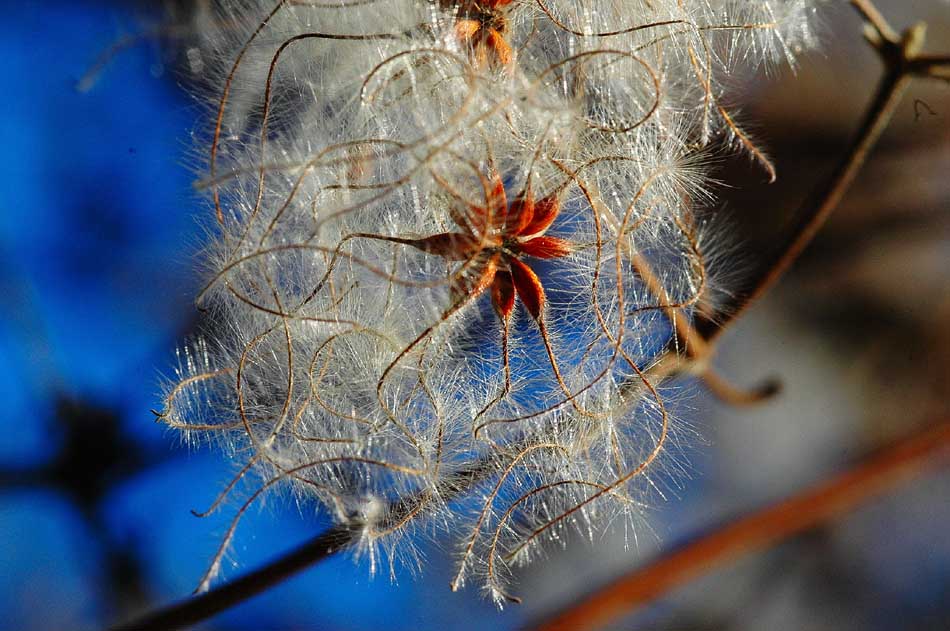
896	464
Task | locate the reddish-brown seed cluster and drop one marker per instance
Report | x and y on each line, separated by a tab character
481	26
494	240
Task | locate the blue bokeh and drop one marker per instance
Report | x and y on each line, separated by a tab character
48	565
96	228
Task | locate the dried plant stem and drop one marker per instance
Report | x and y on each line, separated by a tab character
888	96
203	606
875	476
900	54
902	65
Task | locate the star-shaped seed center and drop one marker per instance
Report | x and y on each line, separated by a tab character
481	26
493	240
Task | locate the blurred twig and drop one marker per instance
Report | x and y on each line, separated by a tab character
875	476
202	606
903	62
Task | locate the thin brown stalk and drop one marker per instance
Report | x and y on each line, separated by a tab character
203	606
732	395
819	205
897	464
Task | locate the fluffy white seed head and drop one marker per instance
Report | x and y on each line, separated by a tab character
370	164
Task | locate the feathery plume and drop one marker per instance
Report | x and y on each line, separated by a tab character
452	235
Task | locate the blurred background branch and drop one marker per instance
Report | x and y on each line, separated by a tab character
878	474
